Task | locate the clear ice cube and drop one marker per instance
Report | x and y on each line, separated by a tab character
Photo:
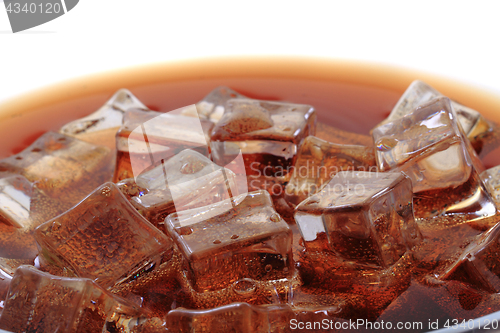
103	238
267	133
40	302
233	239
420	93
25	208
101	126
186	181
15	200
62	167
212	106
479	263
491	179
429	146
148	138
318	161
366	217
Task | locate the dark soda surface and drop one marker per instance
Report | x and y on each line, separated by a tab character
346	112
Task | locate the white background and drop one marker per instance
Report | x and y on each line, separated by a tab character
457	39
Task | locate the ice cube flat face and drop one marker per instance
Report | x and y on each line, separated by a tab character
362	216
63	167
235	317
101	126
479	263
102	238
223	244
267	133
147	138
15	201
318	161
212	106
186	181
40	302
420	93
428	146
491	179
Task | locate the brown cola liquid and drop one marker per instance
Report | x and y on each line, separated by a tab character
348	96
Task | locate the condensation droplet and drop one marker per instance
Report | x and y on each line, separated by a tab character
268	268
217	241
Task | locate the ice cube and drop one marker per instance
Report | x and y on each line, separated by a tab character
491	179
339	136
15	199
102	238
160	290
16	241
212	106
19	215
479	263
318	161
186	181
477	129
223	244
5	278
430	147
101	126
62	167
269	142
147	138
235	317
130	189
427	145
306	299
40	302
362	216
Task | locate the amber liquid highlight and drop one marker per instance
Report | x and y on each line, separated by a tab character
351	96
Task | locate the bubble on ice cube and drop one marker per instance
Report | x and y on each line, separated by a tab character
246	117
223	244
362	216
102	238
